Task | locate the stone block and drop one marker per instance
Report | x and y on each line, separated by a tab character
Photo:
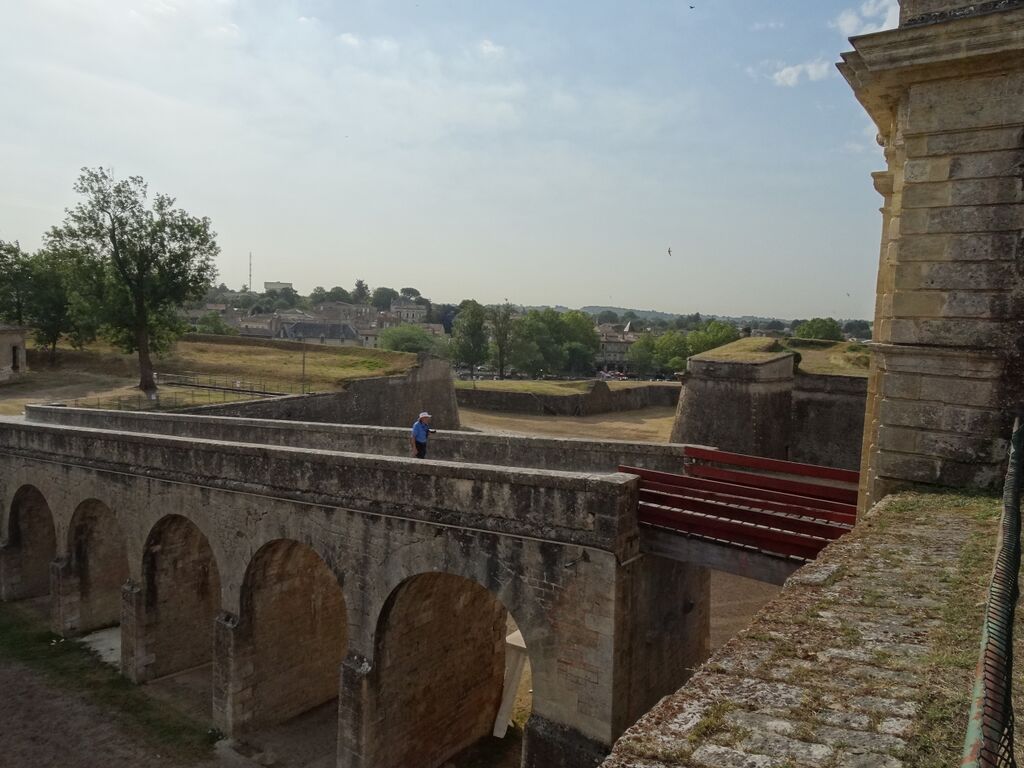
966	332
986	140
938	276
964	103
1004	190
950	247
963	219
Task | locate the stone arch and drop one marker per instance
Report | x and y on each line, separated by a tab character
291	638
95	571
168	624
31	546
439	670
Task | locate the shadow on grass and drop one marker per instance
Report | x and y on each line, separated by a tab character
69	665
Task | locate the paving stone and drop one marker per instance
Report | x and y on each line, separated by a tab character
714	756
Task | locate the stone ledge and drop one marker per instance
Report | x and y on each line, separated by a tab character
849	665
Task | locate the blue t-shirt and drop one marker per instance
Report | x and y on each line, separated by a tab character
420	431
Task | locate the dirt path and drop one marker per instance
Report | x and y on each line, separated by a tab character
649	424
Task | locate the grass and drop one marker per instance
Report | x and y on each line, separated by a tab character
103	372
71	666
835	358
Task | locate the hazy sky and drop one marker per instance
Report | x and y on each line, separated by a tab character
547	152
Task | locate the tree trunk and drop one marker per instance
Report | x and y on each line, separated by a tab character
147	382
53	353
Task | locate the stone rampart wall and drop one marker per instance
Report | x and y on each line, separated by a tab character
769	409
382	400
600	398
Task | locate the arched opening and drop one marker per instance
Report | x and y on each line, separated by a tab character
292	638
441	679
98	564
31	547
179	603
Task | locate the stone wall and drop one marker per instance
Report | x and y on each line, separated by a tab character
572	455
31	546
765	408
599	398
947	95
383	400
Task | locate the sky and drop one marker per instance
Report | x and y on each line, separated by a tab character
547	153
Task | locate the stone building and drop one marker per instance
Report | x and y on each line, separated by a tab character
946	91
12	347
408	311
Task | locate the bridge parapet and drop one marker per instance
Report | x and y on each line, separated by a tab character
560	454
597	511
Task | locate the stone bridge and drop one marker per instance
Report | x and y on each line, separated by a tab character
294	574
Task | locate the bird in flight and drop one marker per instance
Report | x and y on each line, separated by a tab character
670	252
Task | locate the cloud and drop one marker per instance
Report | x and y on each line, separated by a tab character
490	49
871	16
762	26
791	75
352	41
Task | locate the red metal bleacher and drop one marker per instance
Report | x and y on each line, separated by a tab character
780	508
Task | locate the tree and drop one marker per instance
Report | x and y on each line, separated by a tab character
469	336
579	340
14	282
858	329
713	334
408	338
48	301
361	293
774	325
629	315
501	321
318	295
671	350
289	296
820	328
141	262
337	293
214	324
410	293
641	354
607	317
382	298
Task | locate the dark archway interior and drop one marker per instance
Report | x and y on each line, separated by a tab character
100	563
33	539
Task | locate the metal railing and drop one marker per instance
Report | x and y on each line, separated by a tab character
165	401
989	741
263	388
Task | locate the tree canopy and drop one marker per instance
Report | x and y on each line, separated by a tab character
382	298
409	338
469	345
820	328
140	262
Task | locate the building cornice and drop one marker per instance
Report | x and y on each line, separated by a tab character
884	64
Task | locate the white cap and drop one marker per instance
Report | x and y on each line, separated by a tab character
425	414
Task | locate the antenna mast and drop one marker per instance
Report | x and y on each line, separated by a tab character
250	272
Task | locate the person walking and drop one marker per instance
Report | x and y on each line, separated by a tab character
421	431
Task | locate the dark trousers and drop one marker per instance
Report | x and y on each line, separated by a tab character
421	450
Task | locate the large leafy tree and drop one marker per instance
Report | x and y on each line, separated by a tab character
142	260
713	334
501	319
820	328
671	350
15	278
49	300
860	329
337	293
382	298
641	354
360	293
469	336
580	342
409	338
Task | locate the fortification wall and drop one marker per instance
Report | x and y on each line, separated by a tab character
766	408
382	400
600	398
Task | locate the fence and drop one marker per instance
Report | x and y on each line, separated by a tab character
165	401
989	740
263	387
